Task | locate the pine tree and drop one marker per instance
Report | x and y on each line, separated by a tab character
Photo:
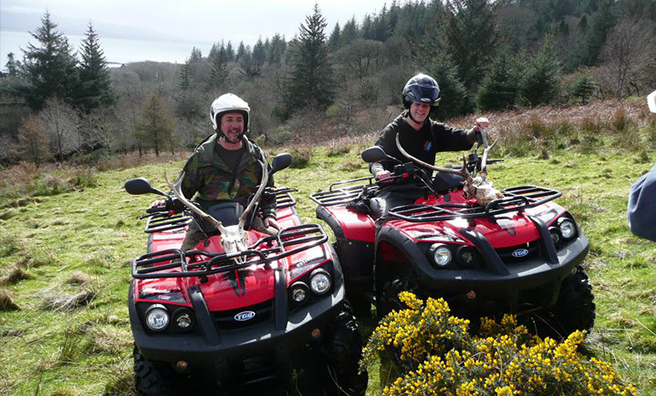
156	125
310	81
12	65
230	52
470	34
219	69
95	83
277	50
49	67
241	51
454	100
196	55
184	78
335	37
498	89
583	88
349	32
540	84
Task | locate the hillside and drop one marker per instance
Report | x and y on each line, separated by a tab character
67	238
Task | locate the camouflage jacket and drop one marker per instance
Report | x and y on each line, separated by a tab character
208	179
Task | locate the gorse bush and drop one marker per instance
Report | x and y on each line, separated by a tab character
434	354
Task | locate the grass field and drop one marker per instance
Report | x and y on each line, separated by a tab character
67	241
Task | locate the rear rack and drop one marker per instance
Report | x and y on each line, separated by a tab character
344	195
161	221
174	263
517	199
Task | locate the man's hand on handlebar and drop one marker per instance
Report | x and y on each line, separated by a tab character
383	176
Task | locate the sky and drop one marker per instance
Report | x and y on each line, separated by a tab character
190	21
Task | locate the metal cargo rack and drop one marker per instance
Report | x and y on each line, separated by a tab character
174	263
347	194
284	198
162	221
517	199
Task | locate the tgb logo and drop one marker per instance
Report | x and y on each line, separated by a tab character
244	316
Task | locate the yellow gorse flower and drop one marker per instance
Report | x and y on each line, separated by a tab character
435	354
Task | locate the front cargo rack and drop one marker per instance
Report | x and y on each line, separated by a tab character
517	199
162	221
284	198
338	196
174	263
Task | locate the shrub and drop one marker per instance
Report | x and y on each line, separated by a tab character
84	178
47	185
435	354
301	156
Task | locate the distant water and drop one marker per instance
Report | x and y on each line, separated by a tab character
117	51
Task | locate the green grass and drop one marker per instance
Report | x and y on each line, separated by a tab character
83	238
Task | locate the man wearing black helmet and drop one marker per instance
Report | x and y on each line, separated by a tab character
420	136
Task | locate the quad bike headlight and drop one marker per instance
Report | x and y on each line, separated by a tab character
298	292
556	235
466	256
184	319
320	282
567	228
157	318
441	254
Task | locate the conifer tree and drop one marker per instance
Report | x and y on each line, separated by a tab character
219	68
540	84
470	37
454	100
184	78
95	83
49	66
230	52
310	81
156	124
12	65
335	37
498	89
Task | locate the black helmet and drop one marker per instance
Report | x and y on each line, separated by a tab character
421	88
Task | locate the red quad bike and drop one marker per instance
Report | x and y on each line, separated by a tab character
244	309
520	254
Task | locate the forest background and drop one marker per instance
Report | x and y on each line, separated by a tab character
59	103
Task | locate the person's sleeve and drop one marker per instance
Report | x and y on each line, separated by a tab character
388	144
642	206
268	202
453	139
192	180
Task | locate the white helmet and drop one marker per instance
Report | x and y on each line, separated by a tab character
226	103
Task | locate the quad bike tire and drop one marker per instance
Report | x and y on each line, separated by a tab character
332	370
574	310
387	299
151	379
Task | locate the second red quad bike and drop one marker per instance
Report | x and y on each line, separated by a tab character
486	252
243	310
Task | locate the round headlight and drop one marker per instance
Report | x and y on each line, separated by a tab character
157	318
441	254
466	256
567	228
320	282
298	292
183	319
556	235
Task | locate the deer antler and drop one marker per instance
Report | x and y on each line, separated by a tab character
256	197
462	172
484	159
180	196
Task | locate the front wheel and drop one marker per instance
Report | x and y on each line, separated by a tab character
151	378
574	310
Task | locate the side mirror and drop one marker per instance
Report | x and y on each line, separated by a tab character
651	101
280	162
375	154
140	186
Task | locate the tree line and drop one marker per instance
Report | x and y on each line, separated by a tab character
486	55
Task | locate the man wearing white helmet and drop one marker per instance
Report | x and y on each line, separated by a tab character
227	167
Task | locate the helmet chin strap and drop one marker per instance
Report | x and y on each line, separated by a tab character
413	119
224	137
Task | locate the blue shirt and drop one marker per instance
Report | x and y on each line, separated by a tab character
642	206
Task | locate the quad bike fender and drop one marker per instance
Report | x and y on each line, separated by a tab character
494	278
206	346
348	224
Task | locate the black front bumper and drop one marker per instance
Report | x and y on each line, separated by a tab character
265	346
535	280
